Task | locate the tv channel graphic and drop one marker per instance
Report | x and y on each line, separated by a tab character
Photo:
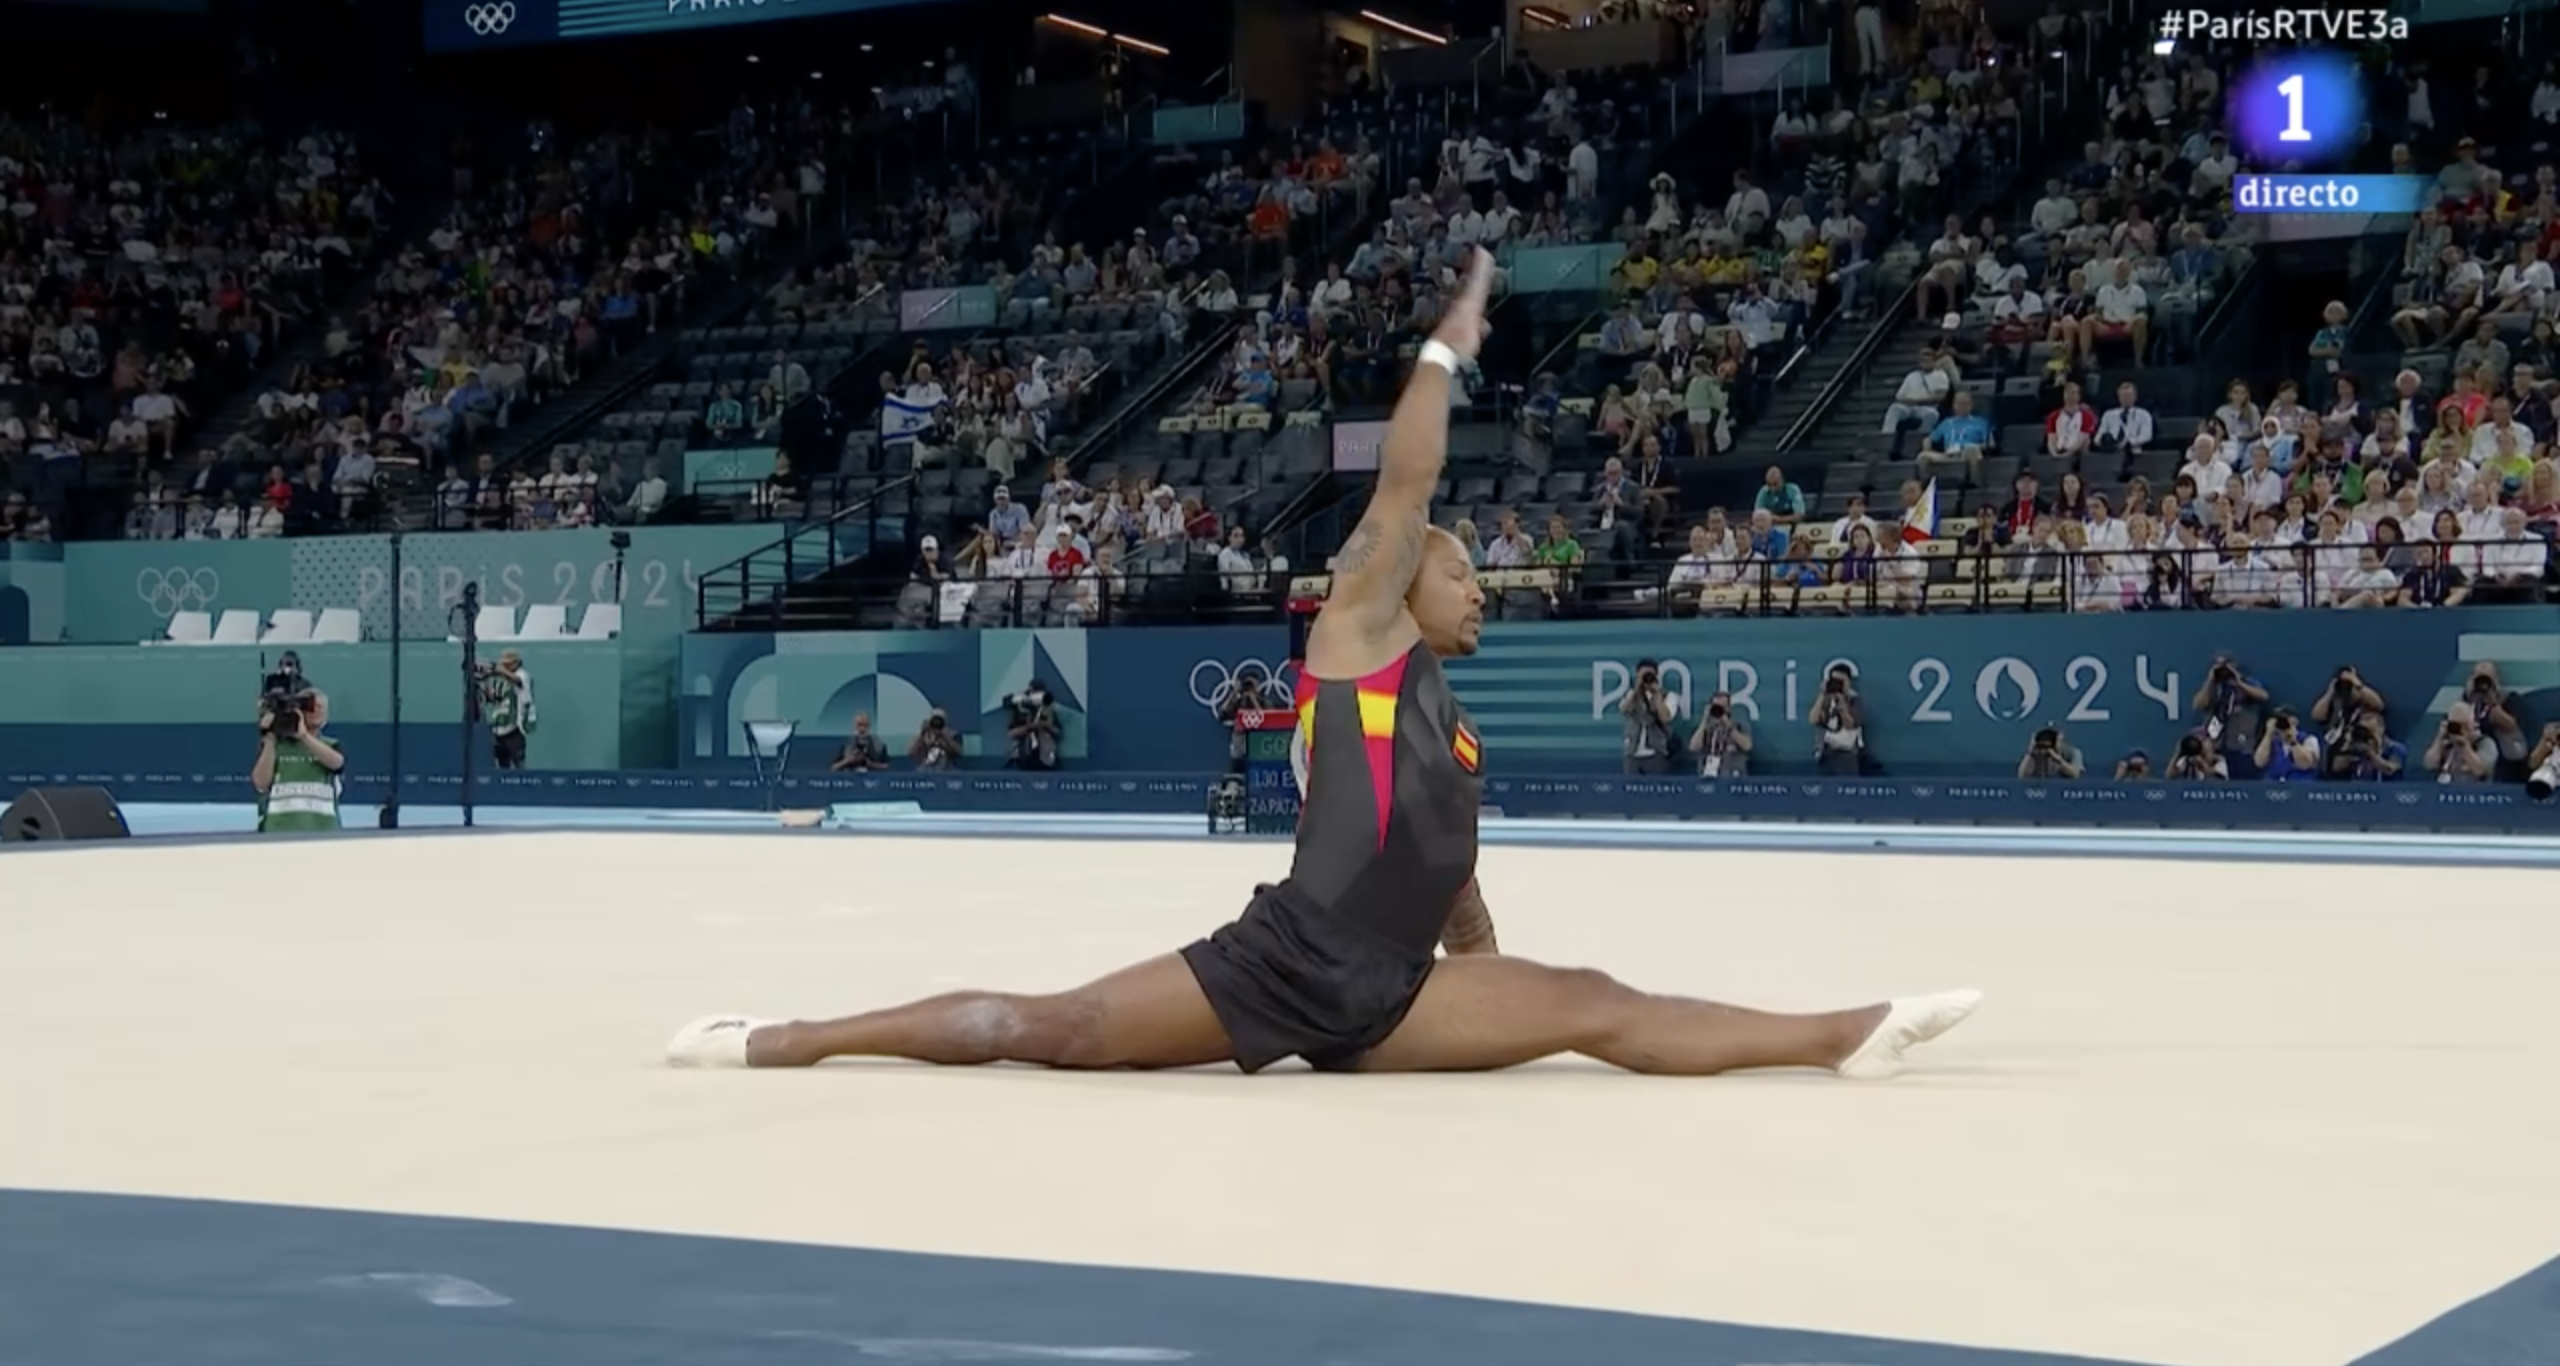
2297	109
2329	194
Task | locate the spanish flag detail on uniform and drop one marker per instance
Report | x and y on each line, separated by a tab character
1469	751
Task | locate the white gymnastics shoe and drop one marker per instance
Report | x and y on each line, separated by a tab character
1907	1021
713	1041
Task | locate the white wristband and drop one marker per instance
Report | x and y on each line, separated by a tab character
1440	353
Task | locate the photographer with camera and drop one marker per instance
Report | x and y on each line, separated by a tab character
1647	711
2542	767
2050	758
2497	720
506	703
936	744
2233	707
2368	754
1243	699
2288	752
2341	714
863	752
2460	753
297	772
1839	728
2196	761
1033	730
1722	743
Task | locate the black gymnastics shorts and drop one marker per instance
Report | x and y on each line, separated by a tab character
1287	979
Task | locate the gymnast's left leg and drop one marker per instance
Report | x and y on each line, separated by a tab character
1478	1013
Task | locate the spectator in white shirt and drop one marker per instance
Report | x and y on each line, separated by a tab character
2245	578
1841	529
1747	208
2206	467
2482	519
2500	417
2261	486
1511	547
2071	428
1235	565
2522	285
2512	566
2369	584
2122	313
1921	398
1693	571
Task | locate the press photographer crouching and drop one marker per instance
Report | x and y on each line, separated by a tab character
2050	758
2196	761
297	775
1033	729
936	744
1242	701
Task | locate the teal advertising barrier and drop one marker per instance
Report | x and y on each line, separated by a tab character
122	592
1963	695
734	467
191	709
1562	270
1134	699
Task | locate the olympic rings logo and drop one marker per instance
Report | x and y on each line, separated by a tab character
1212	683
168	592
490	20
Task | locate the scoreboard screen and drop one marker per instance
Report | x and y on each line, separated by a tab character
481	25
1270	775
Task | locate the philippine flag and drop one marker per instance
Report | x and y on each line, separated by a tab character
1922	522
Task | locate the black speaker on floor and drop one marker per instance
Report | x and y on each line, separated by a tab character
62	813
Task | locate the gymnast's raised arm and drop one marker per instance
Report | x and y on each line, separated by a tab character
1364	623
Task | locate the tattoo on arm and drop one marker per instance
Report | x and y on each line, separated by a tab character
1470	926
1383	555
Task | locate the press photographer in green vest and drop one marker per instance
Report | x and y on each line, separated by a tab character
297	773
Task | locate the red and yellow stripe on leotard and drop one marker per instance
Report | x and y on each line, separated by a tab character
1377	695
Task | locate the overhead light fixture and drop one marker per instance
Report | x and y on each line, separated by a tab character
866	47
1106	35
1408	30
752	59
1544	17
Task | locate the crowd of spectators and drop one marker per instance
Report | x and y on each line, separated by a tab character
2429	482
144	278
540	273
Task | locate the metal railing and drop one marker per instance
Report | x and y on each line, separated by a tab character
1959	574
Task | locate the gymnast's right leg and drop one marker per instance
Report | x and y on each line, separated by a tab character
1152	1015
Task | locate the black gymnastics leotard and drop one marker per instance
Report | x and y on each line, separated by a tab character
1324	965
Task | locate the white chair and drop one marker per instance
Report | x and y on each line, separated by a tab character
189	628
494	623
601	621
544	621
237	626
289	626
338	626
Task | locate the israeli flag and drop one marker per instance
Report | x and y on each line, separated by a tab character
900	419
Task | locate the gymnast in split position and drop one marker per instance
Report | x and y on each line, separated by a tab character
1337	965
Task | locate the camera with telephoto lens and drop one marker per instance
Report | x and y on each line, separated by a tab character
2544	781
285	698
2048	738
